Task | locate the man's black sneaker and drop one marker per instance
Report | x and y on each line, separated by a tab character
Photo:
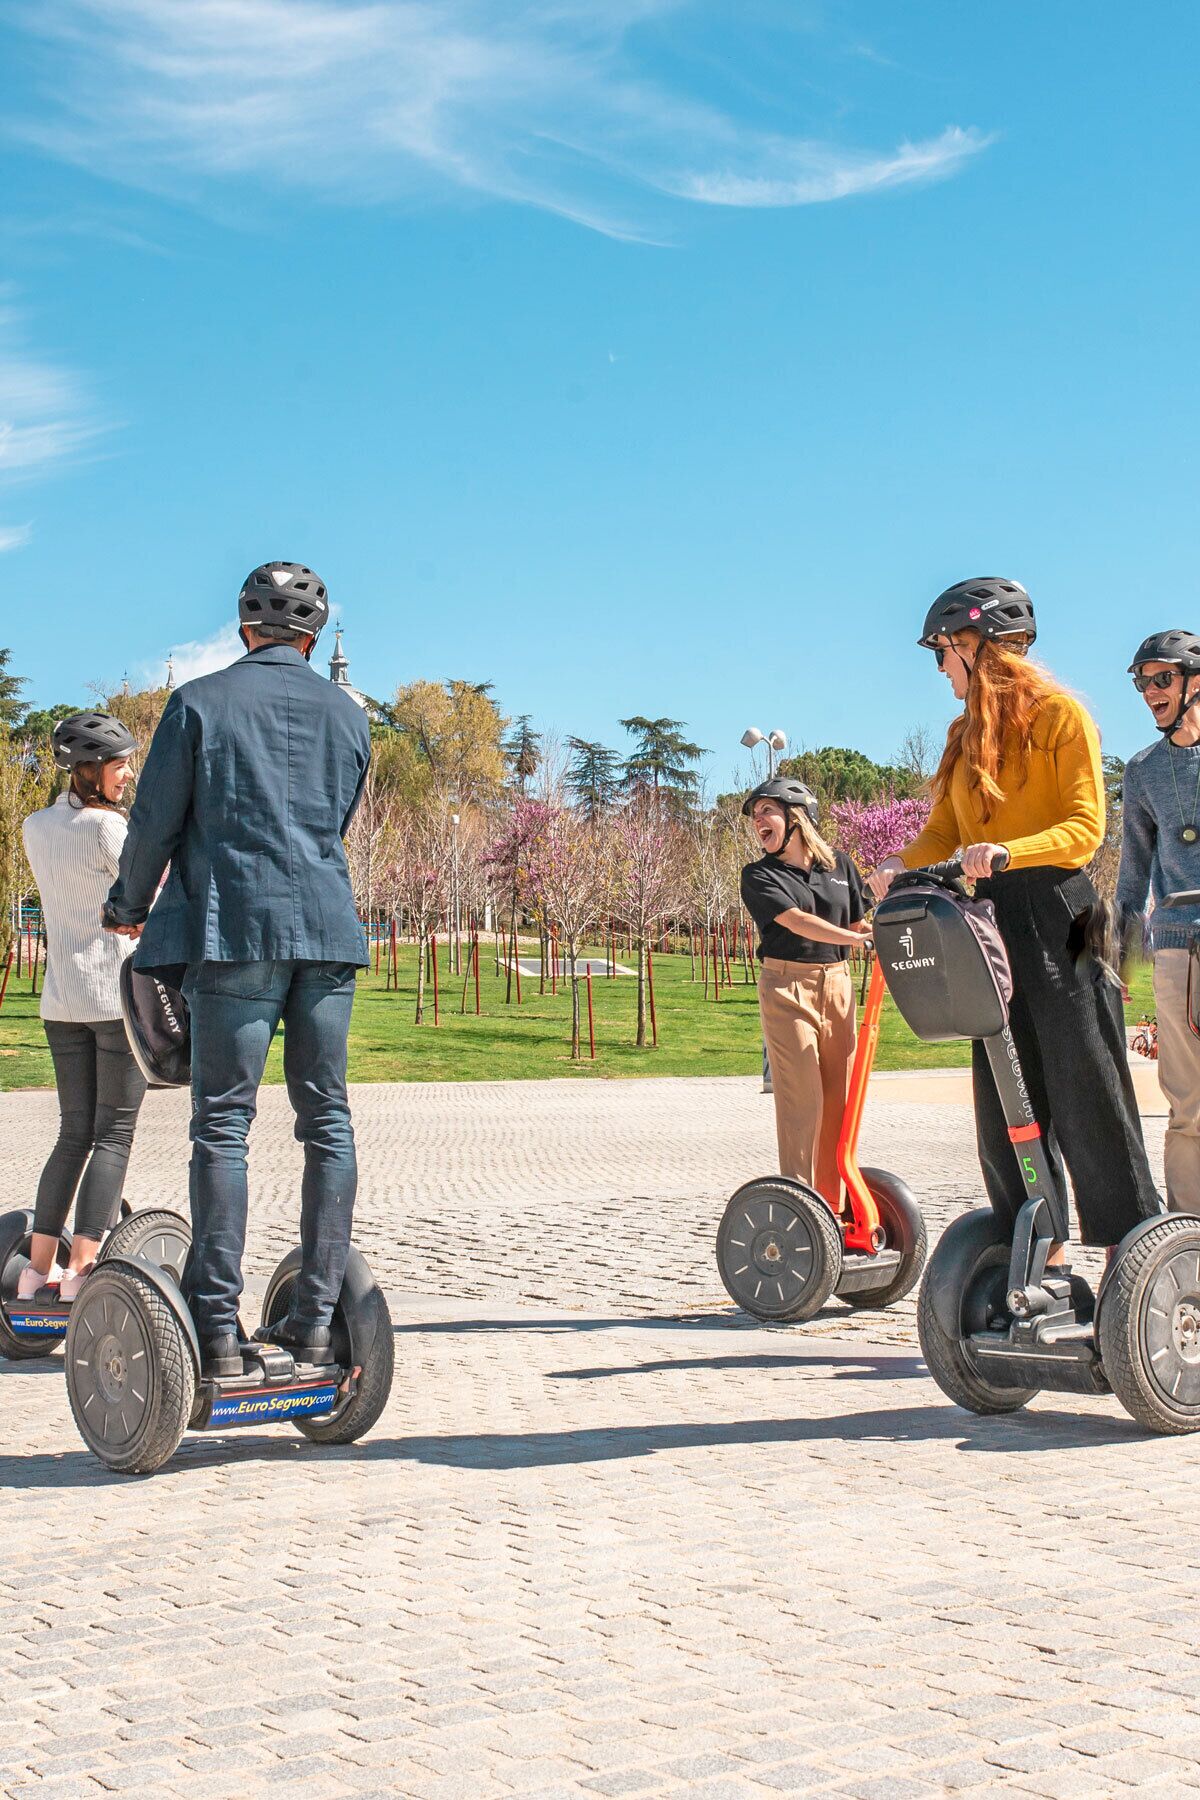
307	1343
220	1356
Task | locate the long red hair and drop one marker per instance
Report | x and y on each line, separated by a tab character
1004	696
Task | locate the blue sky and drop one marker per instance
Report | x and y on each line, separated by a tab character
635	355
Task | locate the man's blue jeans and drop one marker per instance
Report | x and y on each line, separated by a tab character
236	1010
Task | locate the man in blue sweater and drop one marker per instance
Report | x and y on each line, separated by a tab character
247	791
1160	854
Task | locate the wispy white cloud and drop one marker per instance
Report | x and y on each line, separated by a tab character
197	657
44	414
543	103
804	174
14	537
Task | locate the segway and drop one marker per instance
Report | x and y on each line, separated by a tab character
782	1249
996	1323
134	1372
32	1328
134	1375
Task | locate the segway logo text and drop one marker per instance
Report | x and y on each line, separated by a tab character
244	1409
173	1024
1018	1073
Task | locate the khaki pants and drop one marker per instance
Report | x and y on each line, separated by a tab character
808	1022
1179	1079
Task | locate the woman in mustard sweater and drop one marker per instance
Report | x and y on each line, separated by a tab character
1021	772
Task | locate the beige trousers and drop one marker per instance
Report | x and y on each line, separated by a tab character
1179	1079
808	1022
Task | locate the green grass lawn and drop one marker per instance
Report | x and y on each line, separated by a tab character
511	1043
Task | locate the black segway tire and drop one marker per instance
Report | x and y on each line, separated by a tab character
355	1416
130	1375
15	1231
161	1236
779	1250
904	1223
1150	1326
966	1284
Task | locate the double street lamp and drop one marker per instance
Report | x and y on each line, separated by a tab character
774	740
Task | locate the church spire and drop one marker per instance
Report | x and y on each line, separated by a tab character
339	662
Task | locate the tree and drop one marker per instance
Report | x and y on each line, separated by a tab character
648	859
834	773
523	748
918	754
38	724
139	712
869	830
26	778
417	878
12	707
569	877
458	731
1106	862
663	760
593	777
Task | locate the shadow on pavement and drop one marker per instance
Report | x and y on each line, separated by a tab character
41	1365
1038	1430
728	1319
856	1367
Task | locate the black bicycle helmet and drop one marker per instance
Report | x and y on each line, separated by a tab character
158	1026
90	737
283	594
788	791
1179	646
993	607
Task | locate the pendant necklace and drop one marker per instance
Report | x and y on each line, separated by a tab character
1188	834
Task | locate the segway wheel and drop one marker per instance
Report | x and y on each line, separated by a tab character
162	1237
1150	1326
355	1416
130	1376
966	1284
779	1250
15	1231
904	1224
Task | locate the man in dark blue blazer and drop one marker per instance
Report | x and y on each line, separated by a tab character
249	786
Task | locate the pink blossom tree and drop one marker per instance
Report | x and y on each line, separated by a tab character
649	854
569	877
869	830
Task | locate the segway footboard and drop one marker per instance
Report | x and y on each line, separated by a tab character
28	1328
895	1268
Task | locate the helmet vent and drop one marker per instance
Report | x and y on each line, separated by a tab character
251	604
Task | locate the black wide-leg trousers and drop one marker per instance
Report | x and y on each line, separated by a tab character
1069	1029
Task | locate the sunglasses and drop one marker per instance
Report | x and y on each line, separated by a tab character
1163	679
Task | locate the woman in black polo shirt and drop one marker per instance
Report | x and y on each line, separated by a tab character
808	903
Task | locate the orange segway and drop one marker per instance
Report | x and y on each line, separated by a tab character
783	1248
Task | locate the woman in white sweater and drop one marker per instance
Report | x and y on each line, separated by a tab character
73	848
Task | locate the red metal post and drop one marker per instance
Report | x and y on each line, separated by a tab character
7	967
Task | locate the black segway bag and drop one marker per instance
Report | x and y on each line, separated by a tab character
157	1025
944	960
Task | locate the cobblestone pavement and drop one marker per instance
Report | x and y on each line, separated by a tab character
604	1194
622	1544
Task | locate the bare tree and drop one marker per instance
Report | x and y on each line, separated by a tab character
649	856
418	878
570	869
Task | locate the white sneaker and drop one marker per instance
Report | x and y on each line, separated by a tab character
31	1280
72	1281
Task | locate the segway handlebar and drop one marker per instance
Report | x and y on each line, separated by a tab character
947	874
1185	897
